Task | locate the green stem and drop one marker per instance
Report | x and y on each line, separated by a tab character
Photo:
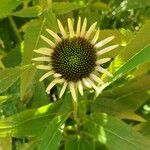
14	26
75	110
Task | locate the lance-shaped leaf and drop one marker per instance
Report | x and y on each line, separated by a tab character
51	137
10	76
32	122
114	133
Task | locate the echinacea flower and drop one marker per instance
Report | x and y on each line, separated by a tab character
74	58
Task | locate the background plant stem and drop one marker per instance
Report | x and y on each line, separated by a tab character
14	26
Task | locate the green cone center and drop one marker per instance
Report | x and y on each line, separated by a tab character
74	59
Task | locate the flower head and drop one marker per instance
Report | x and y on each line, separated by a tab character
74	58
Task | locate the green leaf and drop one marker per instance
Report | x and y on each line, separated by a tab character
139	58
79	143
113	107
114	133
101	6
65	7
51	137
7	6
32	122
29	12
143	128
137	44
10	76
33	41
40	97
137	4
5	98
13	58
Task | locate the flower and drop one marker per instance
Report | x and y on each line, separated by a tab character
74	58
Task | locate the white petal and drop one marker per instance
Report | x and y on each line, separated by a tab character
57	38
44	51
102	61
94	40
42	59
46	75
52	84
102	70
61	29
44	67
86	83
103	42
63	89
56	75
70	26
72	90
107	49
80	87
96	78
93	85
83	28
78	27
48	41
91	29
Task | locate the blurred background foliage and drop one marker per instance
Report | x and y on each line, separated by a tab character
116	119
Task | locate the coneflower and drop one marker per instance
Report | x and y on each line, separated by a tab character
74	58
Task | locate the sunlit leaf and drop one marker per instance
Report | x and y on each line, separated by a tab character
139	43
10	76
7	6
139	58
32	122
51	137
29	12
33	41
101	6
65	7
113	133
79	143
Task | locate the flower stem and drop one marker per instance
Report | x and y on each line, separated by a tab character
75	110
14	26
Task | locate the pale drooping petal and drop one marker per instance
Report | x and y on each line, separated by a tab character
96	78
102	61
103	42
63	89
53	34
107	49
44	51
94	40
53	83
48	41
93	85
91	29
44	67
102	70
80	87
63	32
72	90
42	59
86	83
49	73
78	27
83	29
70	26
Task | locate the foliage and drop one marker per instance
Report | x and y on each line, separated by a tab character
117	118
